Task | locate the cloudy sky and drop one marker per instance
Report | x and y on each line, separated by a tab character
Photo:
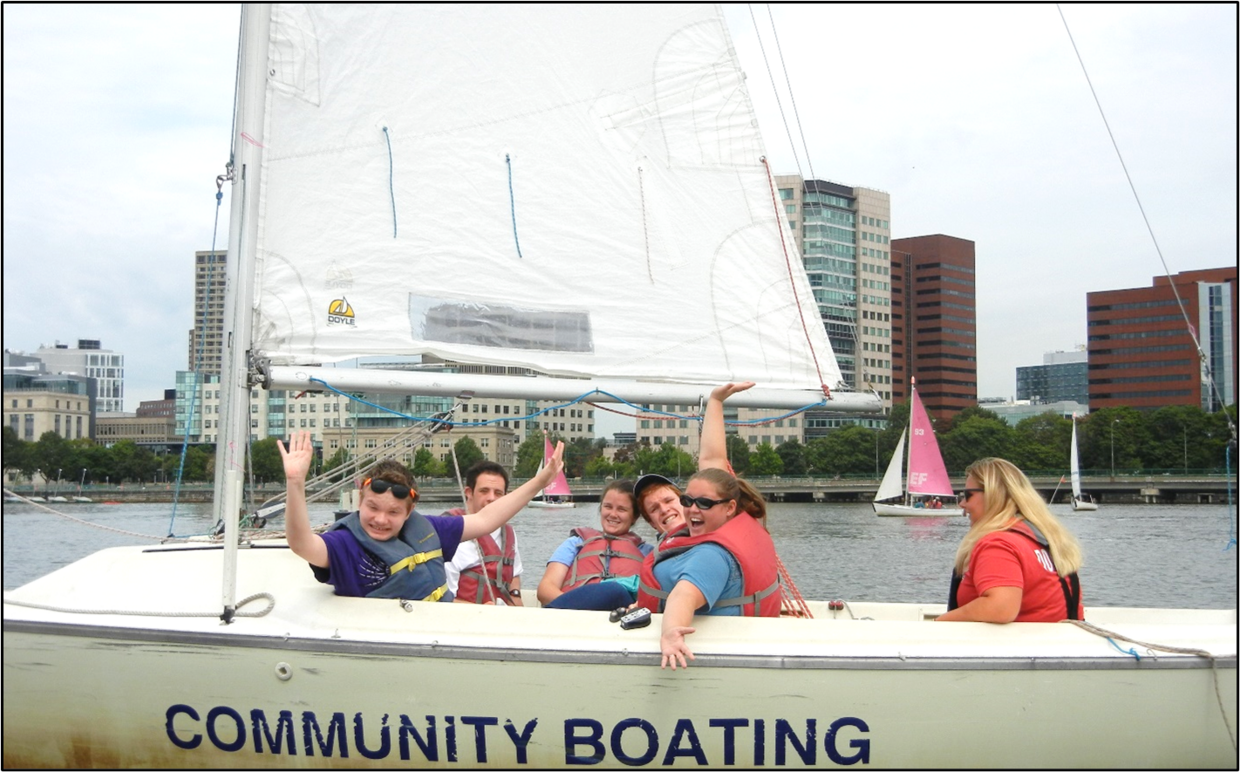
976	119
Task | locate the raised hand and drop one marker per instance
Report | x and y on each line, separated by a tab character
298	456
728	389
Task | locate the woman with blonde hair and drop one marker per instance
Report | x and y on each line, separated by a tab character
1017	563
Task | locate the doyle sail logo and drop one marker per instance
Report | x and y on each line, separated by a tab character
340	312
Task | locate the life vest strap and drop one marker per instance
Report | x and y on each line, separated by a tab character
755	599
439	592
415	560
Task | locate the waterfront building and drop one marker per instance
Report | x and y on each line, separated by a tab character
37	402
90	359
151	431
1141	353
1013	413
206	338
934	322
1063	375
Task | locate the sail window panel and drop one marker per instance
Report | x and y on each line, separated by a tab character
500	327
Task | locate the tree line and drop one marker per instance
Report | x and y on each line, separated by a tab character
1126	440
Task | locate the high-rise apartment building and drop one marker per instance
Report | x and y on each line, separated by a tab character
1141	353
206	339
1062	376
91	360
844	236
934	322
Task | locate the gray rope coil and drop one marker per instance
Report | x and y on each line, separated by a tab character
271	604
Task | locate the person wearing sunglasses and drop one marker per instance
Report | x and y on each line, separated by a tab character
387	549
725	564
1017	563
487	569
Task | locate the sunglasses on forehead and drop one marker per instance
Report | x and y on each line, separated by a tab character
383	486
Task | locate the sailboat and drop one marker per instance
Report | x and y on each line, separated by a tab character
923	490
557	495
608	157
1081	502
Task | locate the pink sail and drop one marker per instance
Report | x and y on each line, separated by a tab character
927	476
558	486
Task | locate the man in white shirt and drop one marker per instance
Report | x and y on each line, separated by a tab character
488	569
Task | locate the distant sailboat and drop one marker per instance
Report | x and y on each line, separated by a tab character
1081	502
557	495
927	476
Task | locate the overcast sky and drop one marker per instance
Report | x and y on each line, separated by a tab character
976	119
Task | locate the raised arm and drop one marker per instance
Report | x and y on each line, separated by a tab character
305	543
501	510
714	452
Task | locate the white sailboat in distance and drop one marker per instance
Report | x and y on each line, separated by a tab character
557	495
926	491
1081	502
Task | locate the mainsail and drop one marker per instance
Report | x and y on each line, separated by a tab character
580	190
927	476
1076	465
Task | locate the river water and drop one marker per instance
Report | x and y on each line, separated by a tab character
1135	555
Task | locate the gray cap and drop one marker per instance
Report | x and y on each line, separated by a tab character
645	481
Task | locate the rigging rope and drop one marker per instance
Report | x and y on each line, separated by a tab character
391	175
791	145
271	604
512	203
792	97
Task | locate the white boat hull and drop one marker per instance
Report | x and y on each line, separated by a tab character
551	504
325	681
1084	506
903	510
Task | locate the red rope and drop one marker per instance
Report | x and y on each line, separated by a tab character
793	602
788	264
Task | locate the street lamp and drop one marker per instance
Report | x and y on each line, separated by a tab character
1113	447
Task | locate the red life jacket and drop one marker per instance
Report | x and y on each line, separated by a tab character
749	543
603	556
495	570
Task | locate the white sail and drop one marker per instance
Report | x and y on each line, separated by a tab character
893	481
601	209
1076	465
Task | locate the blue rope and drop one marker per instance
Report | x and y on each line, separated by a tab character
1132	652
576	400
391	173
512	203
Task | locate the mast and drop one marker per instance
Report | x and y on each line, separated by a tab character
908	460
232	441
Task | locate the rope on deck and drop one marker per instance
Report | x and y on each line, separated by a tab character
271	603
793	602
1087	627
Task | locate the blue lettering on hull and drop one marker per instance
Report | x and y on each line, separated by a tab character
633	742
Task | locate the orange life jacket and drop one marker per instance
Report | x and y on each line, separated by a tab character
749	543
603	556
495	570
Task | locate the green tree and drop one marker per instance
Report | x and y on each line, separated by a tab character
738	453
200	463
14	451
266	461
577	454
764	460
980	435
52	454
529	455
792	454
467	454
337	460
599	466
1042	443
426	465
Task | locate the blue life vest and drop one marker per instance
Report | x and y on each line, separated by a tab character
414	559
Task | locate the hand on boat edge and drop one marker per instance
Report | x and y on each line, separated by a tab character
672	642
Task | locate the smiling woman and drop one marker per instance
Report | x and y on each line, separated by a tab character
589	556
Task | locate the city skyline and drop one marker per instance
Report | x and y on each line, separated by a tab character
977	120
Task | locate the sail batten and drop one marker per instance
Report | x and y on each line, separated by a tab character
596	208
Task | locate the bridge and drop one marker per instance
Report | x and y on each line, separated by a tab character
1157	488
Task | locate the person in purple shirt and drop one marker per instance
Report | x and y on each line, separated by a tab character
386	549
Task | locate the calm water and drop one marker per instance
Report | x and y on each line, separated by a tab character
1135	555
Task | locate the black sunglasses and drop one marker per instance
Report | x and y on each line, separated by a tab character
964	495
383	486
701	502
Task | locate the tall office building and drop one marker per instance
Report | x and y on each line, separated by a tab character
1141	353
934	322
1063	375
206	339
844	236
91	360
